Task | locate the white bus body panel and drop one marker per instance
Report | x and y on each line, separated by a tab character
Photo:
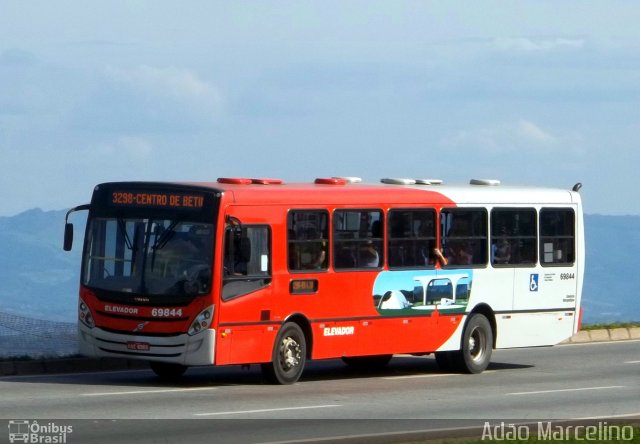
533	306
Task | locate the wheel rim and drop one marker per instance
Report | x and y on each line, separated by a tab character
477	344
290	354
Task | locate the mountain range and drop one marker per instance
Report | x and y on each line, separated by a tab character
40	280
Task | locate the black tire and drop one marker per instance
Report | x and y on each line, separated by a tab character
477	344
168	371
288	357
369	362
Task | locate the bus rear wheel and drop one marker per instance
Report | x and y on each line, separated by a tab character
288	357
168	371
477	344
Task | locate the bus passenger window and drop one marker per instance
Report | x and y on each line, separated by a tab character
357	239
557	236
308	240
464	236
513	236
247	259
412	238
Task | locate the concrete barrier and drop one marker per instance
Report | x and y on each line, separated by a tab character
619	334
580	337
604	335
599	335
67	365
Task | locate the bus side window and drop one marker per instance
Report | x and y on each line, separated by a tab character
464	236
557	236
247	260
412	238
513	237
357	239
308	240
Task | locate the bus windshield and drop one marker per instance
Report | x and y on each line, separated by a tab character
148	257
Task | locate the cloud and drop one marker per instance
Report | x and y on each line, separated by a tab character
129	148
512	137
175	83
531	44
136	148
149	99
529	131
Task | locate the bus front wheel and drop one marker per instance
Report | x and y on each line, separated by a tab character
476	346
288	357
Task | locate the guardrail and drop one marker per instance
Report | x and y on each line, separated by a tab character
25	337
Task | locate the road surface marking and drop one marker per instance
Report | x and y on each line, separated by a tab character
435	375
241	412
632	362
622	415
429	375
567	390
144	392
582	344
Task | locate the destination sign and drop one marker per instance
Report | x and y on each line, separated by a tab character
157	199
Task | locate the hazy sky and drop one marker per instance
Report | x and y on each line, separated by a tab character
530	92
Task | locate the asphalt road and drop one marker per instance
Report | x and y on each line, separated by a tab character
411	396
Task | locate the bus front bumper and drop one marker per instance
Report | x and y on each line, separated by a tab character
181	349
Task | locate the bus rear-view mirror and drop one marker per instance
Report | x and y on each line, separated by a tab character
68	236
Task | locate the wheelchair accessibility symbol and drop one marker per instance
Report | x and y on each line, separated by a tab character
533	282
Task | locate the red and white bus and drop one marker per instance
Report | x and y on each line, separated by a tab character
243	271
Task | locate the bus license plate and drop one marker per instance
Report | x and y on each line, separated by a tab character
138	346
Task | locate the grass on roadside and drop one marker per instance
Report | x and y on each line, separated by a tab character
609	326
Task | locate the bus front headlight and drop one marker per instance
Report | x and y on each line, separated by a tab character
202	321
85	316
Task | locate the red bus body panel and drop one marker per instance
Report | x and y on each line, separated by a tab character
247	325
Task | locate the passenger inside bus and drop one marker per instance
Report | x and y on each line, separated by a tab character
311	256
501	249
458	249
237	254
369	256
344	257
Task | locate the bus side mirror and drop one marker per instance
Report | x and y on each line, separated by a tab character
68	236
68	227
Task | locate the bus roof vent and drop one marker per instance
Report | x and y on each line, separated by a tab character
330	181
489	182
429	181
349	179
235	180
398	181
267	181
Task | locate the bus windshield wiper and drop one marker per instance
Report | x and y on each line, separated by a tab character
166	236
123	229
163	239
